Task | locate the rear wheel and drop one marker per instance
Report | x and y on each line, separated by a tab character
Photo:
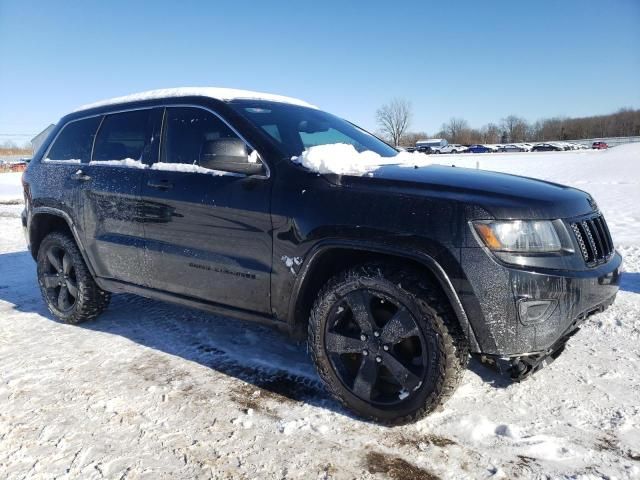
67	287
386	344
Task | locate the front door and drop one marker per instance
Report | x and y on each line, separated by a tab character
208	233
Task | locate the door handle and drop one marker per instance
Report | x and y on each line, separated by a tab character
79	176
161	185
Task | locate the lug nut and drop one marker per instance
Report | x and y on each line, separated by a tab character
376	334
365	353
363	338
378	359
386	348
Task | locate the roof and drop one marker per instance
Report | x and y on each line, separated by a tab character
224	94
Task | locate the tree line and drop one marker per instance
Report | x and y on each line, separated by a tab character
394	121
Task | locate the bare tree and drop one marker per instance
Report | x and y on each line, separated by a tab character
409	139
490	133
393	119
515	127
454	130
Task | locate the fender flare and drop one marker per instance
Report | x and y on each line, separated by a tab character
423	259
69	221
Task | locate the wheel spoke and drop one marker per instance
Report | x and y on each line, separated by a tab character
337	343
366	378
399	327
63	298
54	261
359	302
66	263
50	280
72	287
407	379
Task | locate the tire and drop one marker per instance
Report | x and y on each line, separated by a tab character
395	361
66	285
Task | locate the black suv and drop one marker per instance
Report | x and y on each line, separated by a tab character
397	275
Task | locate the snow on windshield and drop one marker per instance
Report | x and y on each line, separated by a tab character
344	159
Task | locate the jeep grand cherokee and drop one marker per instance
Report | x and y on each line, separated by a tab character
191	196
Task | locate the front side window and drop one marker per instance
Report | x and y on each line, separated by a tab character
74	142
123	136
193	135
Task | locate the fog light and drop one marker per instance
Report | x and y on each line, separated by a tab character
532	312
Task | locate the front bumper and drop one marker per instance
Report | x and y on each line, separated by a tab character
493	293
522	366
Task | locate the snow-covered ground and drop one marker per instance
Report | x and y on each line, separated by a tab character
151	390
10	188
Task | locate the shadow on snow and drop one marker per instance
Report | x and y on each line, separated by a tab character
253	353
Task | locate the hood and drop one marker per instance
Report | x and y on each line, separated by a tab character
502	195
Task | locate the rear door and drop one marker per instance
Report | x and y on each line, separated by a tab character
71	147
110	193
208	233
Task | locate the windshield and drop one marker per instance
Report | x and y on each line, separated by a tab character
295	129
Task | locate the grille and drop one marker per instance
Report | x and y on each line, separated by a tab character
593	239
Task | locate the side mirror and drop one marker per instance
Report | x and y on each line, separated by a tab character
229	155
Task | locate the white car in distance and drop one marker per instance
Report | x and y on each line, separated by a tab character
451	148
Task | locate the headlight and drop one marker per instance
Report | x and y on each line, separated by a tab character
524	236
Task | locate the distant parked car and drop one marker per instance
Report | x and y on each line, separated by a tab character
479	149
433	143
452	148
14	165
563	145
511	148
424	149
546	147
599	145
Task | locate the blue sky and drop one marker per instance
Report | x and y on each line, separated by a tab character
480	60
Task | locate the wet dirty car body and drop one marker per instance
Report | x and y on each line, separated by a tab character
259	245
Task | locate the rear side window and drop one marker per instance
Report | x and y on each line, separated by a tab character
188	132
74	142
123	136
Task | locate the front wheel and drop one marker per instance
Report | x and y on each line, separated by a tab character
67	287
386	343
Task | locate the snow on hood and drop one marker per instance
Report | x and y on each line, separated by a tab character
344	159
224	94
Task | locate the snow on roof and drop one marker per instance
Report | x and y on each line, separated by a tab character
224	94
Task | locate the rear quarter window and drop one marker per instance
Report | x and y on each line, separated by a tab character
74	142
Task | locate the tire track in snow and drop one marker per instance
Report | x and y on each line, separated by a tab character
225	345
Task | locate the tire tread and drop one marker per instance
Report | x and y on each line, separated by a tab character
453	344
92	300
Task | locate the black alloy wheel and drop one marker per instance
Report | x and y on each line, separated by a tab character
59	278
375	347
66	284
386	343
